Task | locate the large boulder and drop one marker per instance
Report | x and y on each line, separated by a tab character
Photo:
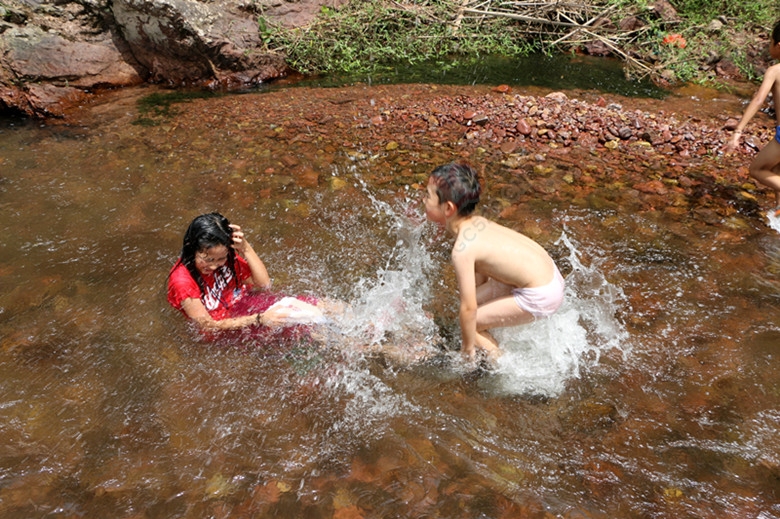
186	41
45	72
56	53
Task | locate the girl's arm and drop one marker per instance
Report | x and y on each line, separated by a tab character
770	77
260	277
197	312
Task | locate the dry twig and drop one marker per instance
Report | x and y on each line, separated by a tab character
582	21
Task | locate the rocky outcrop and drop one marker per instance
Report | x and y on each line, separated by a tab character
55	54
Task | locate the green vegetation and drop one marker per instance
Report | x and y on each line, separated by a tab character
371	35
761	12
367	36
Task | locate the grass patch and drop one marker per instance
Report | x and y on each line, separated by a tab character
369	36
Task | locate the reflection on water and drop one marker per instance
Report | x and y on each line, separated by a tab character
539	70
652	394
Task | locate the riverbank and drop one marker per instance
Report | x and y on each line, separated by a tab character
54	59
670	42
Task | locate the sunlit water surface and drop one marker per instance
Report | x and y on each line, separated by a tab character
654	392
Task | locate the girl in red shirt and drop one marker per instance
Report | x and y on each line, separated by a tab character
216	272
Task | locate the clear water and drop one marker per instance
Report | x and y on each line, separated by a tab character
653	392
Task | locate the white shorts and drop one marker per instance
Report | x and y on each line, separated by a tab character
541	301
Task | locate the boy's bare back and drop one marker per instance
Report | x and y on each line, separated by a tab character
501	254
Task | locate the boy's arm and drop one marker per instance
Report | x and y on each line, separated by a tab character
770	77
463	262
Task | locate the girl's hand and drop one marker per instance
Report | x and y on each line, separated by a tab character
259	278
239	242
273	318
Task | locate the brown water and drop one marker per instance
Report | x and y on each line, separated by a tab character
654	393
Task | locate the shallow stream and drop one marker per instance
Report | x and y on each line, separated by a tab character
654	392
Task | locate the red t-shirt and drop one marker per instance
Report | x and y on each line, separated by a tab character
222	291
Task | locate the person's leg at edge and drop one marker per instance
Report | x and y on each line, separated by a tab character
766	168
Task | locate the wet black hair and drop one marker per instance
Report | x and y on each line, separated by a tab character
458	182
206	231
776	33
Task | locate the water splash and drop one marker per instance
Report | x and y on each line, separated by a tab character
541	356
389	309
773	219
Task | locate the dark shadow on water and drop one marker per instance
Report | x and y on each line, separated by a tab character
562	71
565	72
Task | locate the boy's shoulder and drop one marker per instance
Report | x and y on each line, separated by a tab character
773	70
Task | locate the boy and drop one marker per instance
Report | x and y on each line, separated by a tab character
504	278
764	167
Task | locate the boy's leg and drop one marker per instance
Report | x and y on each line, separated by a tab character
491	289
486	342
764	168
500	313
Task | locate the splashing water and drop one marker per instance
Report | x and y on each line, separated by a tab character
541	356
388	313
389	309
773	219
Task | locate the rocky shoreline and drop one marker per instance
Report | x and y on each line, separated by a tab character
600	152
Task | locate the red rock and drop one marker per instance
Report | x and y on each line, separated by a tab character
308	178
503	89
289	161
655	187
523	127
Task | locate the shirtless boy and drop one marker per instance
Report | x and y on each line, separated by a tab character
766	164
504	277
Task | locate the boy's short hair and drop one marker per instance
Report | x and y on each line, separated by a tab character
457	183
776	33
